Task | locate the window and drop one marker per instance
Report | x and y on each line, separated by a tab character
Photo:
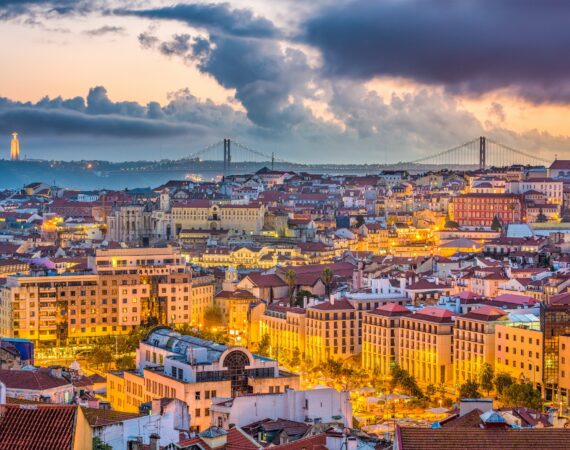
197	395
197	412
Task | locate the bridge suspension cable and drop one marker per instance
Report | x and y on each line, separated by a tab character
258	153
444	152
205	149
518	152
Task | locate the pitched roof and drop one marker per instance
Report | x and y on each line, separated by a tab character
472	419
342	304
34	380
486	313
37	427
316	442
97	417
239	440
390	310
476	439
434	314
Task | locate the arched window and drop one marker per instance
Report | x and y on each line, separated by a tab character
236	361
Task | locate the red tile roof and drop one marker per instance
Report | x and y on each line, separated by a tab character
315	442
477	439
37	427
239	440
560	299
434	314
239	293
34	380
391	309
486	313
341	305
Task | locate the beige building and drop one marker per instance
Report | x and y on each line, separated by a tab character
380	343
564	367
331	331
195	371
519	348
474	342
126	287
286	328
203	214
425	345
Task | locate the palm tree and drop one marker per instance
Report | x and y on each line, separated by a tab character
328	277
291	280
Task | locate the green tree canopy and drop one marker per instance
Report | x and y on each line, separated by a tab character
486	377
469	389
523	394
502	382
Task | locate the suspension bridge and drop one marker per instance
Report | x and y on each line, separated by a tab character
236	157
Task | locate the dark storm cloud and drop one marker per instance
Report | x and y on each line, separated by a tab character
219	17
96	115
469	46
269	81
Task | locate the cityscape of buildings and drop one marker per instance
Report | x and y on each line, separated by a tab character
289	309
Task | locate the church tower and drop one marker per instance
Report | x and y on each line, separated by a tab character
15	148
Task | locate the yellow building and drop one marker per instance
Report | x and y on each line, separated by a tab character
195	371
425	343
380	343
286	328
204	214
564	368
519	348
474	342
234	306
251	258
127	287
331	331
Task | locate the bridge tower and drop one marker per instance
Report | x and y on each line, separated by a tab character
227	155
482	152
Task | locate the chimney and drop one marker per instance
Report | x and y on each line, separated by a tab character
154	442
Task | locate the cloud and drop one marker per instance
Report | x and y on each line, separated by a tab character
104	30
97	116
270	81
13	8
470	46
217	17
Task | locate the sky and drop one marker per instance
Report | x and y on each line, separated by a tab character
338	81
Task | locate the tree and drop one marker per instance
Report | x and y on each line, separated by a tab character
264	346
496	225
98	444
523	394
450	223
469	389
213	314
430	391
295	358
291	280
541	218
486	377
502	382
300	297
101	355
359	221
328	277
125	362
401	378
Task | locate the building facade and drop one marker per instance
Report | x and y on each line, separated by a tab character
195	371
